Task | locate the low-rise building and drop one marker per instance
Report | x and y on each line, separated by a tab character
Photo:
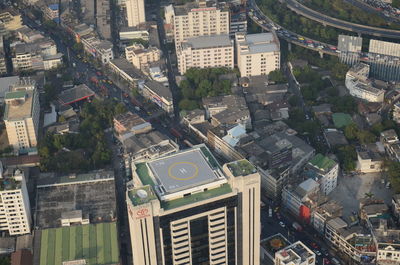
51	12
159	94
295	254
325	170
391	142
124	71
21	117
257	54
396	112
141	57
360	86
205	52
130	123
369	160
11	19
130	33
396	206
99	49
15	210
356	242
324	213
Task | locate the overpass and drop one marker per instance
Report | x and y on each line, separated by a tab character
340	24
267	24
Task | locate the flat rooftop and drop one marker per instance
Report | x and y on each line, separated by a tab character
95	197
204	42
259	43
19	107
182	171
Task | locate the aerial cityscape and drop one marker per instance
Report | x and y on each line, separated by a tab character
199	132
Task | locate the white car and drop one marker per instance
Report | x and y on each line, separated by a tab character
317	252
282	224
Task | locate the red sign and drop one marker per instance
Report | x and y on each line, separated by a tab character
142	213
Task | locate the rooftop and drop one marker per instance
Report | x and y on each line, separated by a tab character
75	94
258	43
296	251
94	194
159	89
20	105
129	119
183	10
95	243
204	42
141	195
322	162
241	168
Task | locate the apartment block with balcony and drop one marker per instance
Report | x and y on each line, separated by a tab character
206	52
257	54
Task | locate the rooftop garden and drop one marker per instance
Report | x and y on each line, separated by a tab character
225	188
241	168
143	172
137	200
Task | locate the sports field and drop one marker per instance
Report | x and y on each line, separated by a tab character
96	243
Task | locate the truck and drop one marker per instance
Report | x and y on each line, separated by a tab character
297	226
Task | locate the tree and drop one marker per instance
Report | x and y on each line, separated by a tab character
393	171
120	108
347	156
187	104
277	76
351	131
143	42
294	101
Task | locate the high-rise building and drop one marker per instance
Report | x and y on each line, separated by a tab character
21	117
15	215
199	19
135	12
257	54
206	51
186	209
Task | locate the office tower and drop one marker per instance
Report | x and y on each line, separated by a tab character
135	12
15	215
186	209
257	54
21	115
199	19
206	51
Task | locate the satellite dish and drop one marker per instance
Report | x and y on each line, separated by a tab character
142	194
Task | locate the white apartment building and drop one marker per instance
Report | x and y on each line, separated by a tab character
295	254
100	49
135	12
206	51
199	19
15	210
326	171
205	214
21	117
359	86
257	54
141	57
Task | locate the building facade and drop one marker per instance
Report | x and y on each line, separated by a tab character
212	219
327	171
141	57
15	215
205	52
135	12
159	94
199	19
21	117
257	54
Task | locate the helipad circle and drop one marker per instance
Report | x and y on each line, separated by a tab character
183	170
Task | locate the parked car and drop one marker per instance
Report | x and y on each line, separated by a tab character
282	224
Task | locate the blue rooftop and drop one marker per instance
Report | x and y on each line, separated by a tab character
53	6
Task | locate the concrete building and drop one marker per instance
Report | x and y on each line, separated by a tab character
130	123
350	49
99	49
295	254
396	206
257	54
3	64
141	57
51	12
238	22
199	19
325	170
384	47
360	86
159	94
396	112
15	210
200	213
11	19
205	52
369	161
356	242
130	33
324	213
135	12
21	117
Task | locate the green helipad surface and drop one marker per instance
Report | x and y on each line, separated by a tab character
96	243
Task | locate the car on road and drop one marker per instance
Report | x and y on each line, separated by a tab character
282	224
317	252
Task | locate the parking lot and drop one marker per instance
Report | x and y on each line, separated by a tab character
351	189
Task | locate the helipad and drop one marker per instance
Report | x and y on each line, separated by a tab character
181	171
